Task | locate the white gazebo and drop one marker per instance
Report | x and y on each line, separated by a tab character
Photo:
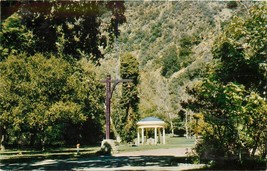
154	123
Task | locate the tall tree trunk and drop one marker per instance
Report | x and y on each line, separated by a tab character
186	124
43	138
32	137
255	145
2	136
172	129
265	149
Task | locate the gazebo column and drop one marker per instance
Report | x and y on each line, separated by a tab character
147	124
143	136
146	134
160	136
138	136
156	138
164	140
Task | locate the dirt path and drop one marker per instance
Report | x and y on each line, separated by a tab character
176	152
155	160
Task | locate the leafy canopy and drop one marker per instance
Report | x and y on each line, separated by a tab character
39	94
232	101
72	28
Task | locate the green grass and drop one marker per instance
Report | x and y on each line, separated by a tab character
13	154
171	142
14	159
50	153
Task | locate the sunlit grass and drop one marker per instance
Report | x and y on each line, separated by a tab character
85	151
171	142
50	153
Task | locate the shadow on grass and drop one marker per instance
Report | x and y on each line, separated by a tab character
230	164
95	161
87	161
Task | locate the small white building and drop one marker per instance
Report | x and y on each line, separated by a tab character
151	123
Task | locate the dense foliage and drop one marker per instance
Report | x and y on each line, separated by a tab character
50	89
232	101
172	39
65	28
127	113
42	98
170	62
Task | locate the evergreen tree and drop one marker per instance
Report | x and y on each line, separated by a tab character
127	114
170	62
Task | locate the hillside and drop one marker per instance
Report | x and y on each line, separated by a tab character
172	41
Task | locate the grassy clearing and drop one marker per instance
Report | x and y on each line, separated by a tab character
67	158
171	142
13	154
50	153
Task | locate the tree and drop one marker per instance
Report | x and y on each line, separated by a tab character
170	62
232	4
12	29
231	100
62	27
234	119
127	113
40	98
242	49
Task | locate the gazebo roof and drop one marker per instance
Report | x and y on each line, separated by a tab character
151	121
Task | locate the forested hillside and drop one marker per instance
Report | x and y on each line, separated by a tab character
203	68
172	41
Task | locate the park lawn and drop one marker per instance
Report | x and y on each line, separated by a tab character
171	142
85	151
49	153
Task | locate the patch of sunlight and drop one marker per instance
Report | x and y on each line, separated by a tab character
44	162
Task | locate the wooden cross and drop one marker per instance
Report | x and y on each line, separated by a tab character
109	92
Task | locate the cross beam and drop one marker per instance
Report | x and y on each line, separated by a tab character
109	92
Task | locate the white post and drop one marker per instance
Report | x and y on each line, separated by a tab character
138	136
164	140
142	135
156	135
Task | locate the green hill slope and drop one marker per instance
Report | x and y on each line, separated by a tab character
172	41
